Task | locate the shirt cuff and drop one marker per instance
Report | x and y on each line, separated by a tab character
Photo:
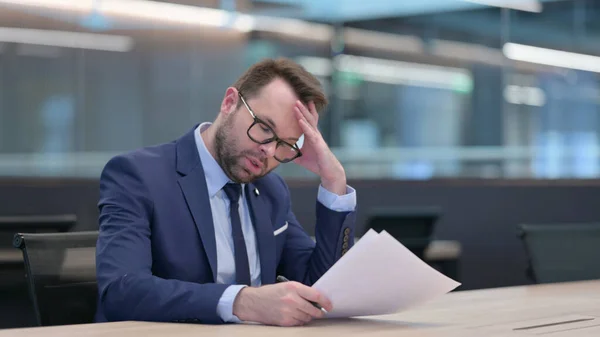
338	203
225	305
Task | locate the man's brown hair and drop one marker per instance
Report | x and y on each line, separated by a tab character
306	86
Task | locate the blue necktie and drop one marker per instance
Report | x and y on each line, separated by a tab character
242	268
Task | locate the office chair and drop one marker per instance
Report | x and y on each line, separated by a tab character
11	224
562	252
61	275
411	226
14	293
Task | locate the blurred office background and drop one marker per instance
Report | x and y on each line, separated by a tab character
486	110
419	89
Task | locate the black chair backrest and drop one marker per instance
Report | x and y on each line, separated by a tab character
61	275
562	252
412	226
12	224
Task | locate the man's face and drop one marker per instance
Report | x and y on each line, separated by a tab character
242	159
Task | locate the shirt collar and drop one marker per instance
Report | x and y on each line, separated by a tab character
214	174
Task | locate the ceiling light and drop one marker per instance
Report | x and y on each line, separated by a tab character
163	11
143	9
522	5
392	72
66	39
70	5
295	28
551	57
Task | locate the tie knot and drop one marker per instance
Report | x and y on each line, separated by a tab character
233	192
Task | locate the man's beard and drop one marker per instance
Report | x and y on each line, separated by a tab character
230	161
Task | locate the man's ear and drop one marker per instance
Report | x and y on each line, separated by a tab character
230	101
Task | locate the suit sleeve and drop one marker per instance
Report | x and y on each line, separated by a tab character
127	288
305	261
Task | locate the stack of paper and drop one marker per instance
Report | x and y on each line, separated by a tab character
380	276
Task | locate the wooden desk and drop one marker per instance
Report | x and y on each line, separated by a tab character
487	313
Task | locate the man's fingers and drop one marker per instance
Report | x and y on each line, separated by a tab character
303	116
290	321
303	316
313	295
312	120
309	309
309	133
313	110
299	115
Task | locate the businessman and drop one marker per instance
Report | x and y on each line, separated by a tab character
197	230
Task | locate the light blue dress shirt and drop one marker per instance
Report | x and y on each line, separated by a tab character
215	181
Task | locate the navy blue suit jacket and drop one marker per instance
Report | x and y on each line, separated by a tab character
156	256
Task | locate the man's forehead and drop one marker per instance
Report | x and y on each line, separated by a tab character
275	105
278	91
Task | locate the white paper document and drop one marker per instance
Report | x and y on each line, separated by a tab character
377	276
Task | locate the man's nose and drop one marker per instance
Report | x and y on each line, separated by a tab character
268	149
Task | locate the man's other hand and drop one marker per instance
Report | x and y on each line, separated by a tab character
283	304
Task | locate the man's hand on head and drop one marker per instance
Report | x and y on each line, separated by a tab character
316	155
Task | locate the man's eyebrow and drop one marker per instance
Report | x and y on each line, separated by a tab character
271	122
274	126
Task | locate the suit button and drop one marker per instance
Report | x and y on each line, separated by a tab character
346	231
345	245
344	251
346	238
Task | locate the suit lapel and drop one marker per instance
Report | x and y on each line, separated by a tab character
264	234
195	192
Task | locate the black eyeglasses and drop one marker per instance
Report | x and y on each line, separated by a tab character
261	133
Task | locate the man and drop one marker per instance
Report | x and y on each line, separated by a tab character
197	230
